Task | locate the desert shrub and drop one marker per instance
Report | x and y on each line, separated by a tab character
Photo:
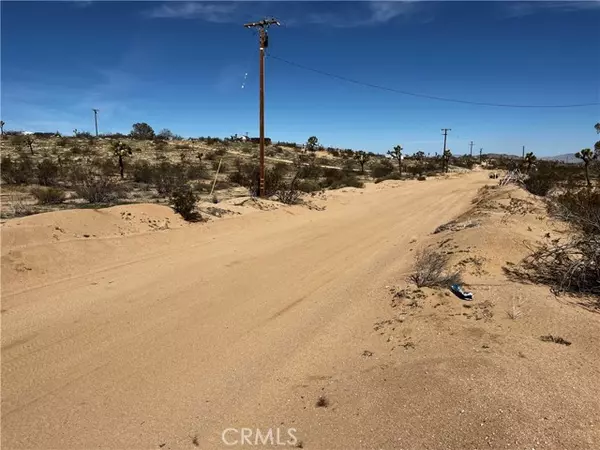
382	168
119	136
580	207
47	172
415	170
160	145
18	141
98	189
62	141
349	165
183	146
464	161
336	179
48	195
197	171
211	140
432	270
287	144
248	175
106	166
44	134
19	171
142	172
570	264
290	195
391	176
184	200
540	183
247	147
310	171
167	177
308	186
422	178
210	156
241	173
86	135
141	131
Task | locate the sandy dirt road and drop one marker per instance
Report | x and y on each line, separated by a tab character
164	340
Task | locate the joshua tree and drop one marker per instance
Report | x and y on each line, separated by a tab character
530	159
362	157
419	156
397	154
587	156
446	159
312	143
120	149
28	140
597	127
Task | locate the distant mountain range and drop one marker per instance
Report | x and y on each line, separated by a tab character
566	158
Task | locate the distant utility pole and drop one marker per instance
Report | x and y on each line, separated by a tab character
445	130
523	152
471	145
96	119
263	42
480	155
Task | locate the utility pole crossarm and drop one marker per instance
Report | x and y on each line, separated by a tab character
262	23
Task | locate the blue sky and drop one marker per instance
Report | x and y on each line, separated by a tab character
181	65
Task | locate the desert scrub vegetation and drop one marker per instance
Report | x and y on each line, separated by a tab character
570	264
48	195
184	201
432	269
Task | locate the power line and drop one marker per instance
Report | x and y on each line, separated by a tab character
431	97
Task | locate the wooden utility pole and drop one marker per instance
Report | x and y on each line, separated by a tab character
471	145
480	155
96	119
523	152
444	162
263	42
445	130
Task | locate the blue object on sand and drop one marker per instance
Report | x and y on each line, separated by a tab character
460	293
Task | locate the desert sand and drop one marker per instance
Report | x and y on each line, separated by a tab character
128	328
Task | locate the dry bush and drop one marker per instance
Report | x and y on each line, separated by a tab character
48	195
432	270
248	176
289	195
184	203
572	265
19	171
47	172
94	186
167	177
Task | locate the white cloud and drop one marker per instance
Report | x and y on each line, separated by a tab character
522	9
222	12
340	14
